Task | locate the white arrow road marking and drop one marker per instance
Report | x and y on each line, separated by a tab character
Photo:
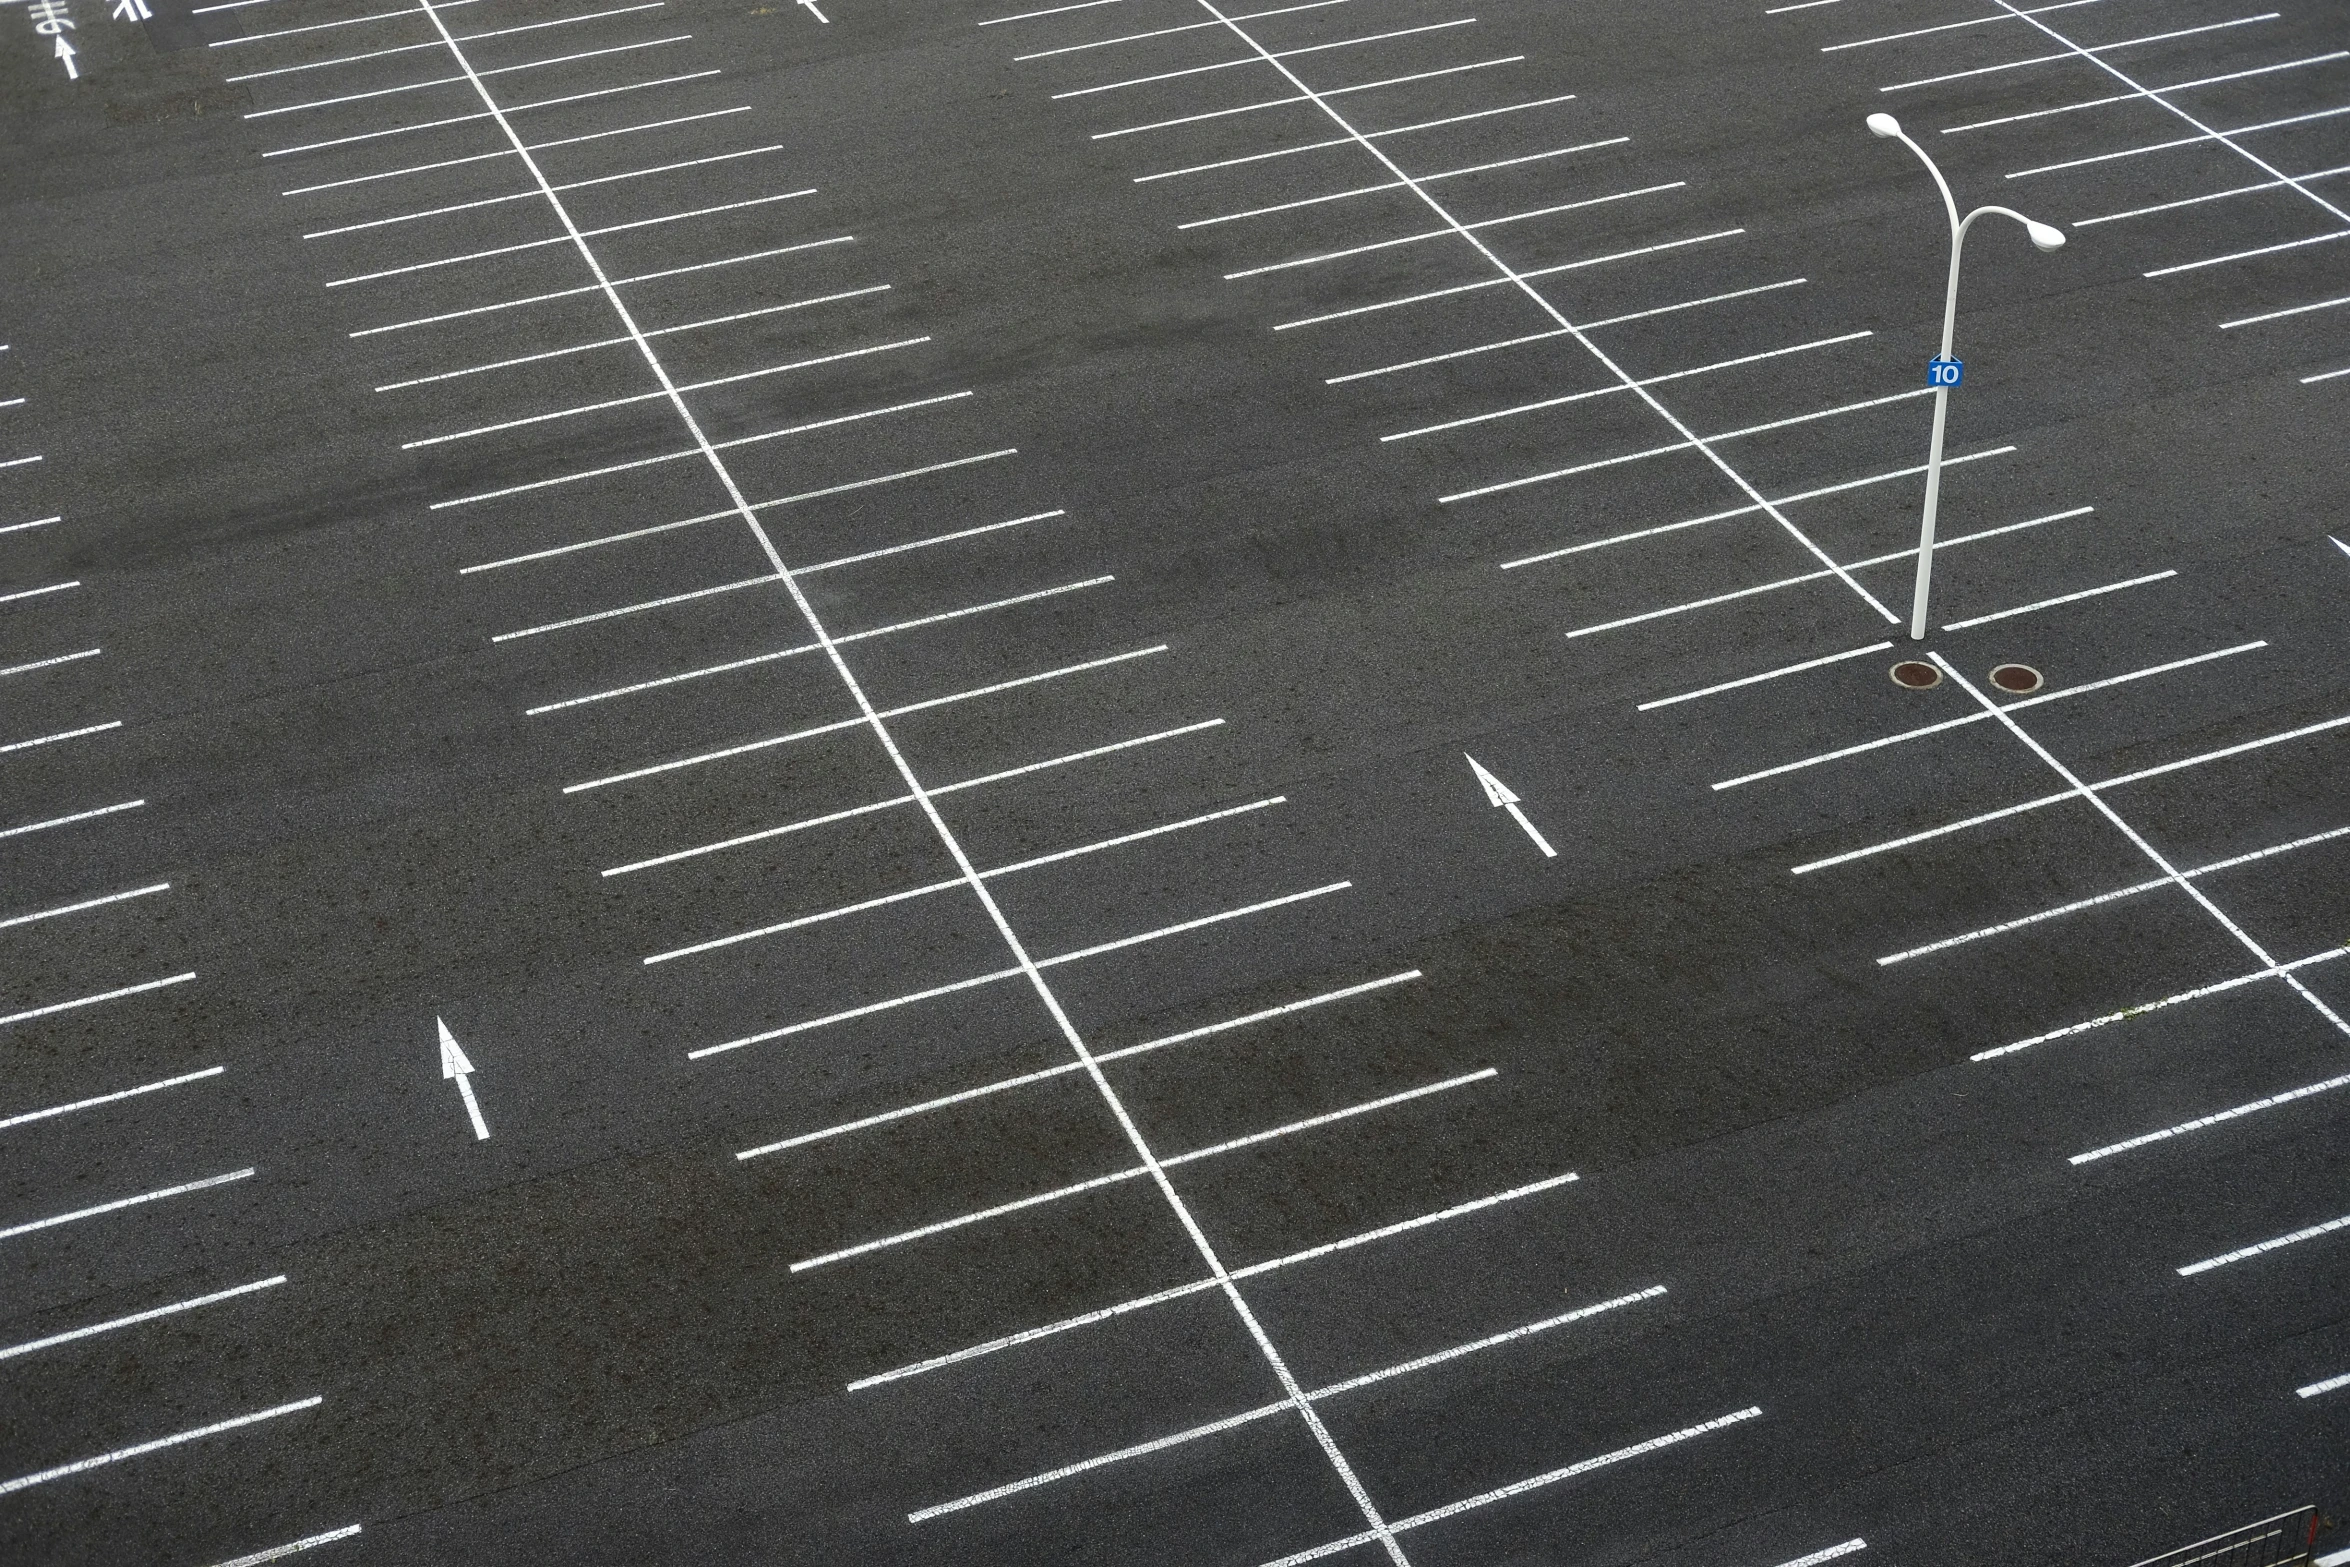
73	72
2338	544
454	1064
1506	798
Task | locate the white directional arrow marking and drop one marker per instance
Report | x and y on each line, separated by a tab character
812	11
454	1064
73	72
1502	795
2338	544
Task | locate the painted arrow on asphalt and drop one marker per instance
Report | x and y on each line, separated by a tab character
73	72
1506	798
454	1064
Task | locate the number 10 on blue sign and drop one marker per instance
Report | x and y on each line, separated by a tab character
1944	372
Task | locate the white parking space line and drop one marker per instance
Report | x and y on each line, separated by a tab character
86	903
1348	141
1334	92
1505	282
19	462
37	522
2102	898
533	195
1168	1161
320	27
1386	185
62	734
81	1466
41	592
120	1203
2077	50
1614	539
1449	231
2284	971
2312	1391
1626	386
561	239
643	606
2197	201
1026	16
664	527
1830	1554
65	821
79	1002
893	801
1768	674
2066	598
2247	255
50	663
378	54
642	397
2148	92
447	81
2087	790
96	1100
932	542
2278	315
1165	32
467	119
2216	1118
11	1351
2330	375
1064	1068
485	157
1945	27
1264	1411
1226	65
1521	1487
308	1542
1200	1286
2264	1247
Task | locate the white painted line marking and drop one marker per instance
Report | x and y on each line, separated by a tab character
1199	1286
1183	926
50	663
91	1001
121	1203
2272	971
2289	1096
643	397
1800	5
463	119
1263	1411
930	542
1521	1487
1062	1069
1134	1172
1348	141
2330	375
1082	5
1437	359
377	54
533	195
64	734
1694	443
2312	1391
2148	92
1425	179
2278	315
1946	27
455	1065
484	157
1163	32
318	27
1335	92
2077	51
2073	794
1828	1555
1503	282
561	239
2246	255
666	601
19	462
2264	1247
1501	795
1449	231
907	799
309	1542
34	593
2196	201
2079	904
893	712
117	1456
37	522
13	1350
1624	386
1226	65
62	821
1768	674
106	1099
447	81
2068	598
845	560
1815	576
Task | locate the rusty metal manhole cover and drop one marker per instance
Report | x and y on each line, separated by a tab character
1918	675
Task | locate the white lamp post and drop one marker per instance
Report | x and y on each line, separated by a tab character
1945	371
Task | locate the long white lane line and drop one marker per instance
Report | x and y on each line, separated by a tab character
2198	760
2216	1118
2224	138
891	802
2262	1248
2147	92
507	152
2097	802
11	1351
309	1542
1503	282
2066	598
2326	1386
62	734
50	663
79	1002
467	119
1226	65
94	1101
2100	899
1265	1411
1334	92
1521	1487
66	821
2072	49
1064	1068
1025	965
1385	185
120	1203
1768	674
83	1465
1613	539
1342	141
2284	971
87	903
1136	1172
559	239
1201	1286
1449	230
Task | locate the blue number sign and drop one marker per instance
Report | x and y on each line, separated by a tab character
1945	372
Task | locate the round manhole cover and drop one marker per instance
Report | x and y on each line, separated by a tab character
2017	679
1917	674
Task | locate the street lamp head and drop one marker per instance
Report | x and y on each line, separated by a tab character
2044	236
1884	125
